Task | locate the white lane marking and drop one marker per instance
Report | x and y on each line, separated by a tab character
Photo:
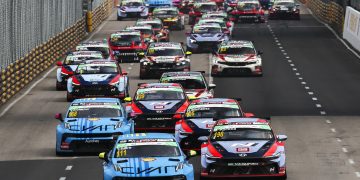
328	121
129	68
322	112
289	61
279	44
344	150
314	98
318	105
307	87
300	78
357	174
294	69
62	178
99	28
132	64
280	47
311	93
287	57
338	140
303	82
285	53
337	36
26	92
68	168
282	50
298	74
333	130
351	161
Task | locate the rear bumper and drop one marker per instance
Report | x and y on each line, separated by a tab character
103	91
237	175
157	71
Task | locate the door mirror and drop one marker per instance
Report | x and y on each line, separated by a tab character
192	98
70	73
212	86
59	117
103	156
128	99
188	53
249	115
281	137
59	63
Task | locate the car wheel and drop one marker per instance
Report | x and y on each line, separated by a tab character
69	97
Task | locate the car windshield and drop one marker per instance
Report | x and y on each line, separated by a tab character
221	23
164	52
125	39
241	134
205	30
152	24
97	69
237	50
165	12
146	31
248	6
104	50
187	83
166	94
94	112
132	4
211	112
207	7
79	60
147	148
287	4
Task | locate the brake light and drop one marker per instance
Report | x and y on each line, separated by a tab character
115	81
65	71
135	109
182	109
65	145
186	127
271	151
75	81
215	153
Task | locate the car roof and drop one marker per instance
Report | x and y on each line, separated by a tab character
284	1
165	44
126	1
126	32
115	100
208	25
211	19
165	8
160	85
205	2
248	1
139	27
100	61
181	73
239	43
152	20
242	120
213	100
146	136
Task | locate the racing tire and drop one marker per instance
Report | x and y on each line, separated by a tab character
69	97
59	86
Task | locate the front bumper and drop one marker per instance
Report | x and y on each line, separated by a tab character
203	45
97	91
127	55
157	69
284	14
155	122
251	68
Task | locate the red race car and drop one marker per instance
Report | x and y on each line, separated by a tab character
247	11
199	9
126	44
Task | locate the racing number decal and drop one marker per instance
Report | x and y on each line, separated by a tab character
151	51
218	134
190	114
140	96
73	114
223	49
121	153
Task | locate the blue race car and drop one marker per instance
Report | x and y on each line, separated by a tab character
98	78
147	156
152	4
132	8
205	37
243	147
91	125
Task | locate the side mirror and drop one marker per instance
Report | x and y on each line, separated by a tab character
59	63
188	53
124	72
228	24
128	99
212	86
180	13
103	156
59	117
249	115
260	52
150	14
281	137
190	154
203	138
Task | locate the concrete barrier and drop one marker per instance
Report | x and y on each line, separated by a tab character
351	27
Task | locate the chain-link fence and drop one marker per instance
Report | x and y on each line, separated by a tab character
24	24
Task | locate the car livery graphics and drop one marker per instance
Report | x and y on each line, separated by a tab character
243	147
199	9
236	58
284	9
194	83
171	17
163	57
126	44
157	106
158	3
248	10
91	125
148	156
205	37
199	119
98	79
132	8
103	47
162	34
227	26
68	66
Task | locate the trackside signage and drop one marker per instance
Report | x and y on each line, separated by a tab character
351	27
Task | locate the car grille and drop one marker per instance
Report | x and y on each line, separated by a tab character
155	121
254	166
126	54
132	14
164	65
181	177
98	90
89	135
82	146
236	71
236	63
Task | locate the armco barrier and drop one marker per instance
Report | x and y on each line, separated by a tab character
18	74
328	11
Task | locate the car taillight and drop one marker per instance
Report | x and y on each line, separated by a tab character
186	127
75	81
271	150
183	107
65	145
65	71
136	110
213	151
115	81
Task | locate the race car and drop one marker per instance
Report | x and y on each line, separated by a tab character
147	156
284	9
248	11
103	47
171	17
226	26
125	45
146	31
199	9
200	117
162	34
236	58
163	57
216	14
230	4
194	83
68	66
243	147
186	6
91	125
156	3
157	106
205	38
98	78
132	8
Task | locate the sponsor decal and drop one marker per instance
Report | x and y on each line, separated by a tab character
92	141
148	159
159	107
243	164
138	170
242	149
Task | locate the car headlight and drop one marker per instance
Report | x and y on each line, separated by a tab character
147	5
67	125
192	40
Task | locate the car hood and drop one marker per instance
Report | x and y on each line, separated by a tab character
165	59
94	125
240	58
284	8
171	105
201	125
254	148
198	93
148	166
207	36
95	78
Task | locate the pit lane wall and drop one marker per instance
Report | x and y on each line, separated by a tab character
351	27
21	71
329	11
